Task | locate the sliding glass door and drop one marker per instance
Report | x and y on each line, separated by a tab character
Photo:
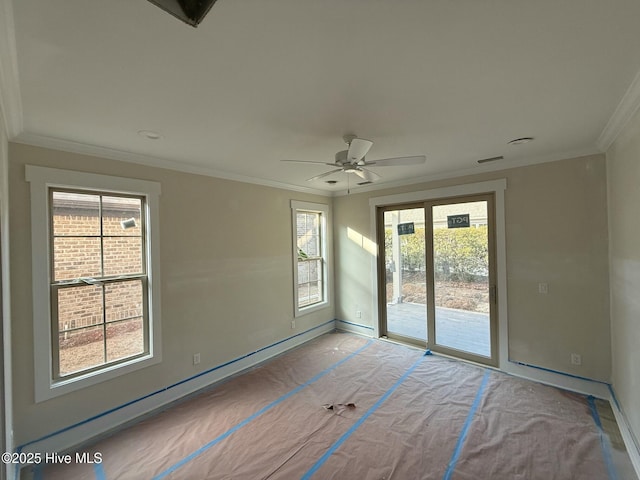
405	287
437	277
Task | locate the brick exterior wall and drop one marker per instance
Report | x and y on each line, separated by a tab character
77	247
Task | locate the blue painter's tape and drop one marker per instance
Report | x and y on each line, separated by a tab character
37	473
465	428
18	466
98	469
360	421
606	452
162	390
614	398
249	419
368	327
428	352
559	373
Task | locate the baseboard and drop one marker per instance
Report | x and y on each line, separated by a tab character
562	380
630	440
81	432
351	327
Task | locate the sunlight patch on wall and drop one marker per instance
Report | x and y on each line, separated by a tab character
362	241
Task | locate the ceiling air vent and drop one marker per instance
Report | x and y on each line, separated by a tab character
189	11
492	159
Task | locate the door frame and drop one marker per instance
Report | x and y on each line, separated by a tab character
381	272
493	316
497	187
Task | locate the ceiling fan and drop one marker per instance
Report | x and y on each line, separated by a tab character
352	160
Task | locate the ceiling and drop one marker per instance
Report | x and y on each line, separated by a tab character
261	81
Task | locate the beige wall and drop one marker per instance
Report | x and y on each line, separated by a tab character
227	273
623	174
556	232
226	266
6	442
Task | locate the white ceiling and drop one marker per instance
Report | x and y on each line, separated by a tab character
260	81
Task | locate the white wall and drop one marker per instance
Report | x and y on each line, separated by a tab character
556	232
226	280
623	175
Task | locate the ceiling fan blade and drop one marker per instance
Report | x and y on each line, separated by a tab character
367	175
322	175
358	148
310	162
389	162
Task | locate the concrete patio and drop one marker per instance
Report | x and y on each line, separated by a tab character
459	329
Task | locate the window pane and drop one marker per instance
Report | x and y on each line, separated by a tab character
303	295
75	214
315	292
122	255
79	307
308	233
76	257
123	300
121	216
81	349
309	282
125	339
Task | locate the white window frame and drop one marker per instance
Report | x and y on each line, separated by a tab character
323	210
41	180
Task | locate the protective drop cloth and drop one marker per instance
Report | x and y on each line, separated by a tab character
346	407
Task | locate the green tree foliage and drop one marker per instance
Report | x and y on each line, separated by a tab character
460	254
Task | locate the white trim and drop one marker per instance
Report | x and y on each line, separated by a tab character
324	210
83	432
623	113
35	140
499	165
565	381
494	186
10	98
124	156
41	179
5	261
630	441
363	330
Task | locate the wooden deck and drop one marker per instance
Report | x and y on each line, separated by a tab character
459	329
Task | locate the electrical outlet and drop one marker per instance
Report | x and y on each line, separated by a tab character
358	314
196	358
293	324
576	359
543	288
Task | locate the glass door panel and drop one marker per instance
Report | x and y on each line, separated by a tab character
405	280
462	287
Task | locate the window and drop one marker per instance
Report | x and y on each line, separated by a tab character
310	256
98	306
95	277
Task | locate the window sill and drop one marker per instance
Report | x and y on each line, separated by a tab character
300	312
64	386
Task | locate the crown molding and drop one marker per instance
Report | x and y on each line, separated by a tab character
505	164
10	99
150	161
623	113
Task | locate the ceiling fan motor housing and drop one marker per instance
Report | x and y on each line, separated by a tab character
342	158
